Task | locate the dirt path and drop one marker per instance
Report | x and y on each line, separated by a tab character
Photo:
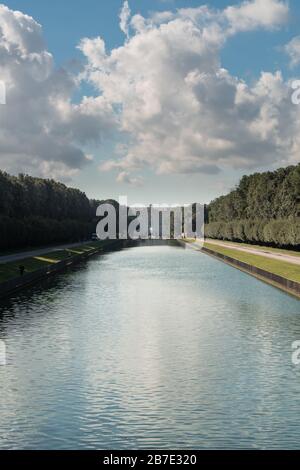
38	252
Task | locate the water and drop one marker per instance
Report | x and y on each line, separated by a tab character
153	347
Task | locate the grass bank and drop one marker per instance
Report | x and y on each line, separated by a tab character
281	268
10	270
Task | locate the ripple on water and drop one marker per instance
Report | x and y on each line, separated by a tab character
152	347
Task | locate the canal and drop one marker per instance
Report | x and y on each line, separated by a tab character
150	347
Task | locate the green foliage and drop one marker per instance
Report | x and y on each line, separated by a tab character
35	211
267	232
264	208
270	195
36	231
25	196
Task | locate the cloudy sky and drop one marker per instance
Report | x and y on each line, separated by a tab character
161	100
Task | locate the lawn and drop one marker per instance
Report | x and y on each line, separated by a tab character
282	268
11	270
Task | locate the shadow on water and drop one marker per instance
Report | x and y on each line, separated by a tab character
48	288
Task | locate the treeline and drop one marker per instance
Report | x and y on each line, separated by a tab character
35	211
263	209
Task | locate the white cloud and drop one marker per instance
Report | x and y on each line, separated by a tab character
124	18
93	48
250	15
125	177
41	131
182	112
293	51
164	90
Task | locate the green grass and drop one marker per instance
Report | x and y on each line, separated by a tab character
282	268
11	270
259	247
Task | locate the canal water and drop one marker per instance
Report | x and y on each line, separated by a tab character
150	347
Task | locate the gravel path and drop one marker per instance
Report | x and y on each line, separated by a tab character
38	252
265	253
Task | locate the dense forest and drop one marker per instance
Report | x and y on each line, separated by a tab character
263	209
35	211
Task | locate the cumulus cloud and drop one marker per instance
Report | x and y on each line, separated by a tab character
293	51
250	15
164	91
41	131
183	112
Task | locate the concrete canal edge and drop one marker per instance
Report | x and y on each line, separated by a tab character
11	286
288	286
291	287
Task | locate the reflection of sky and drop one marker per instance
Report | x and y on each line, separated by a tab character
151	347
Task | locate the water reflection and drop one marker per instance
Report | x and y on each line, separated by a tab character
150	347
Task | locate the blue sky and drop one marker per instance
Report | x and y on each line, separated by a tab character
244	55
66	22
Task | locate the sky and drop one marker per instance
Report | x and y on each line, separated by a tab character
165	101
